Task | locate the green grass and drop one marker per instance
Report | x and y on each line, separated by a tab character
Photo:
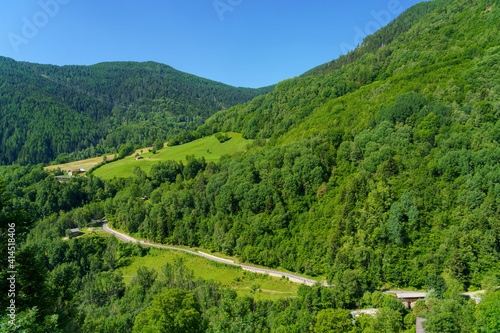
229	276
83	164
137	236
209	147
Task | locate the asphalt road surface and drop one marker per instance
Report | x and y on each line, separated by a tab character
291	277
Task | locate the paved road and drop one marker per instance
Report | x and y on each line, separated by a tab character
475	295
291	277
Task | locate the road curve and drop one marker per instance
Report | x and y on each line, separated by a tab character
292	277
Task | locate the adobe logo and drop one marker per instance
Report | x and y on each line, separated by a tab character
31	26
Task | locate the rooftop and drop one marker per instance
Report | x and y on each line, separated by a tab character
411	295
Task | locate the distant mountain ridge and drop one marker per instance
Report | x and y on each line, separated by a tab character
381	173
430	38
381	38
47	110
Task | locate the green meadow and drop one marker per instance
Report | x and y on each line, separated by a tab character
261	287
209	148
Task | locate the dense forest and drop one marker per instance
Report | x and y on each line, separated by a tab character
77	112
384	172
72	286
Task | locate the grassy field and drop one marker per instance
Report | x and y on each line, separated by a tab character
233	277
83	164
208	147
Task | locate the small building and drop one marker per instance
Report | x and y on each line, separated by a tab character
139	158
74	232
75	172
410	298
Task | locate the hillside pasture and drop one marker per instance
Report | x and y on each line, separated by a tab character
82	164
262	287
209	148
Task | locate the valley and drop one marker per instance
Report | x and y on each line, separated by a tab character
376	174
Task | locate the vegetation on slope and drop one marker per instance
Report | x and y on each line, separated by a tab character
381	38
433	58
86	164
382	173
77	112
261	287
208	148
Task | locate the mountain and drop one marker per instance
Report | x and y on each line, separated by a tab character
437	53
379	171
383	37
46	111
387	168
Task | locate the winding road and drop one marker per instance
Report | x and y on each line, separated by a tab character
291	277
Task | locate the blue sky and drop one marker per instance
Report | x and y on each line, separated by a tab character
250	43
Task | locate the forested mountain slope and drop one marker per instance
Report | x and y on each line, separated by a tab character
48	110
382	173
440	53
388	167
383	37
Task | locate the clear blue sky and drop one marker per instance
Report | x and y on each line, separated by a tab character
249	43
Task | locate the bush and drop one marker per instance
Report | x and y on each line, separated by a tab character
222	137
125	150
